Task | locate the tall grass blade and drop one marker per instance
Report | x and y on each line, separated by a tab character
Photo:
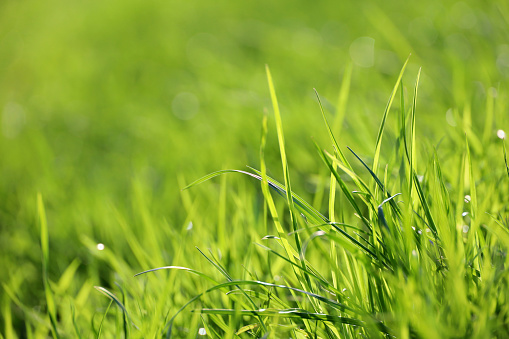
378	144
50	301
284	162
505	157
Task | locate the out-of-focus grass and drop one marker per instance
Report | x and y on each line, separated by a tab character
109	108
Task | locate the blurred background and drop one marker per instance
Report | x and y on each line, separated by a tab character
113	106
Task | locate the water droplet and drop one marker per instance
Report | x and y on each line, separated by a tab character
189	226
100	246
501	134
465	228
467	198
202	331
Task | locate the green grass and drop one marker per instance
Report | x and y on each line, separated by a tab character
373	206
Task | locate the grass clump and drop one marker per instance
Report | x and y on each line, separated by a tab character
409	251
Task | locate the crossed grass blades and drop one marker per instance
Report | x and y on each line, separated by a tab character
402	266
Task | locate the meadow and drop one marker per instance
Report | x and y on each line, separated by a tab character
254	169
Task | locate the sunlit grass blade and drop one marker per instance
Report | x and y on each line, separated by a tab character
284	163
50	301
331	135
378	145
178	268
471	179
292	313
223	271
311	214
381	186
342	184
505	157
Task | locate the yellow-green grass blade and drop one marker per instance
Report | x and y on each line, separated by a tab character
50	301
342	185
284	162
344	93
378	145
99	331
331	135
117	301
294	313
381	186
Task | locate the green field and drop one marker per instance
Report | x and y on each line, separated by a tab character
398	224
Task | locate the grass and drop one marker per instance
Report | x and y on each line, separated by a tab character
374	206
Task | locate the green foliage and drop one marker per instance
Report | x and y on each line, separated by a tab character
385	223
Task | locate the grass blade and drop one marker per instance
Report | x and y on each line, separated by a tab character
50	301
378	145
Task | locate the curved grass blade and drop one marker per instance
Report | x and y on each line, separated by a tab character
178	268
381	215
227	276
99	332
311	213
117	301
342	185
379	183
297	313
237	283
302	206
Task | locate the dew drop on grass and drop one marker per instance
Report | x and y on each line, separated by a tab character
467	198
189	226
202	331
464	214
501	134
100	246
465	228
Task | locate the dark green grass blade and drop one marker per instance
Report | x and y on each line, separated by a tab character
311	214
342	184
424	203
379	183
505	157
50	301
